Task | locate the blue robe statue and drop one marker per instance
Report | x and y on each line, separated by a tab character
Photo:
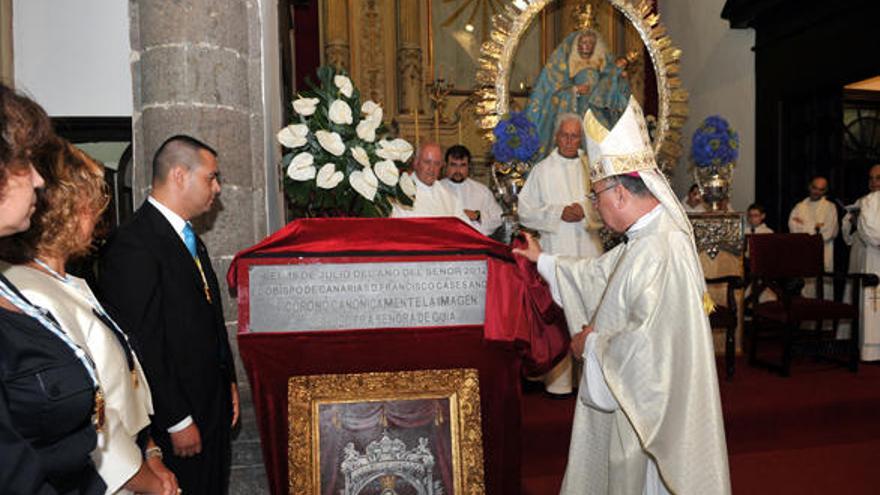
556	89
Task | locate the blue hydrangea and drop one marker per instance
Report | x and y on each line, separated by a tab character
714	143
516	138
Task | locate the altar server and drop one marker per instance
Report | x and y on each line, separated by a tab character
554	202
648	416
478	201
433	199
817	215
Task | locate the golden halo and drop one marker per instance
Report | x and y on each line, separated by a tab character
509	26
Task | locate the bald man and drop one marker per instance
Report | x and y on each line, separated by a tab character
817	215
433	199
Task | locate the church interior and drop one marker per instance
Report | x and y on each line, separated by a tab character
795	82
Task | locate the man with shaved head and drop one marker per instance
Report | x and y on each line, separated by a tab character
433	198
157	277
816	215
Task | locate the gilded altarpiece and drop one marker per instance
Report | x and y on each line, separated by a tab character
418	58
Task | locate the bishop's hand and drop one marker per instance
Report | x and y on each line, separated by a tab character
532	249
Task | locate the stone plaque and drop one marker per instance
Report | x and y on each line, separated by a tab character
342	296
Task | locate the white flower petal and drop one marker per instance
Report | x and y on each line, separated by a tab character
360	155
327	176
305	106
331	141
364	182
407	185
336	178
344	85
293	136
366	130
340	113
369	107
304	159
398	149
302	173
387	172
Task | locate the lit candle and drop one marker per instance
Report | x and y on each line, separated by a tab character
459	130
436	125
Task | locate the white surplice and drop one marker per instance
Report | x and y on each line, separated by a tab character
127	406
812	213
648	419
431	201
554	183
477	197
867	260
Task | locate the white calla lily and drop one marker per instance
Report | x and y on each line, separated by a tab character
329	177
344	85
340	113
369	106
398	149
373	112
364	182
366	130
330	141
293	136
387	172
360	155
302	168
305	106
407	185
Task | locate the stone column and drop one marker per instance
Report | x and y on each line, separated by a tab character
7	75
409	57
197	70
337	47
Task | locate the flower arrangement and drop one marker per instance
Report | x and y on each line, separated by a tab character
714	143
516	138
335	164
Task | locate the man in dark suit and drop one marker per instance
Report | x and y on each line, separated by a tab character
156	274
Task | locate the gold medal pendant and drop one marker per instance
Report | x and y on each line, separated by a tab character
98	416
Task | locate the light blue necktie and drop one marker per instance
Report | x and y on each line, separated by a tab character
189	238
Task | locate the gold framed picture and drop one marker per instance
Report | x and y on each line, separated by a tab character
406	432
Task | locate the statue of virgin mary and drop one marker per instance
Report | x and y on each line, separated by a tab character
580	75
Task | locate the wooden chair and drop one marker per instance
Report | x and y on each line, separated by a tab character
780	262
725	317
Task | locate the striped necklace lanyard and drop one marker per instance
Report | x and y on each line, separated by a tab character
45	318
100	313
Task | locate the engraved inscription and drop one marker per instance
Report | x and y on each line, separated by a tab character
337	296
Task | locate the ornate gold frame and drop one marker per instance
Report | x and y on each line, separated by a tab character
497	53
460	386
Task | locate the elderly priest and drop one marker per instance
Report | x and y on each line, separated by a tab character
648	419
433	199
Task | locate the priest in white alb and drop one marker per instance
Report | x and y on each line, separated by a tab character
554	202
817	215
861	230
478	201
432	198
648	416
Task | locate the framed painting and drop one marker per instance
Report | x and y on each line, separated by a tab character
403	433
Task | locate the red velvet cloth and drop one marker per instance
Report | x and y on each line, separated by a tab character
523	328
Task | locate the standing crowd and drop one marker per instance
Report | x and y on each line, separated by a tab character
127	386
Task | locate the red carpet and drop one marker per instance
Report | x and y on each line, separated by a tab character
815	432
